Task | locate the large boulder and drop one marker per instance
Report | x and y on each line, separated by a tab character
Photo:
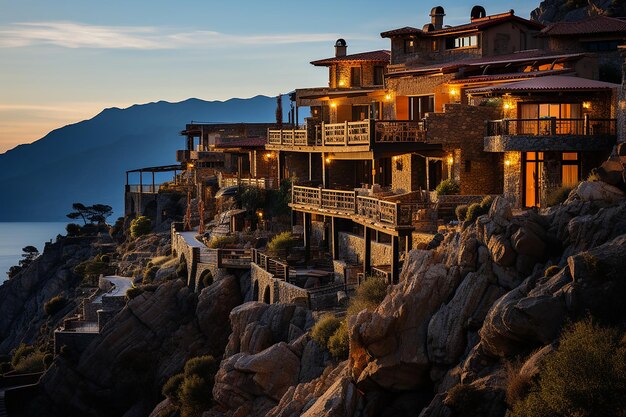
599	191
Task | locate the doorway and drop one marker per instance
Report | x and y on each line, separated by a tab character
532	178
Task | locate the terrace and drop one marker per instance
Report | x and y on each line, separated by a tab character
347	136
549	134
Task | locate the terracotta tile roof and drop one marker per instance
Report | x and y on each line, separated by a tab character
379	56
243	143
516	58
476	24
407	30
549	83
592	25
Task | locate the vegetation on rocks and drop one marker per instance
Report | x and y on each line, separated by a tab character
91	270
221	242
97	213
134	292
461	212
140	226
55	304
478	209
281	243
558	195
324	329
585	376
192	390
27	359
149	274
368	295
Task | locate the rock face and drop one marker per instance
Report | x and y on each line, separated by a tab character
268	354
22	298
550	11
122	371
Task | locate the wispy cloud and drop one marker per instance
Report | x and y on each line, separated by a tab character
78	35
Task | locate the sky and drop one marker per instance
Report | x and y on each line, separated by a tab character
64	61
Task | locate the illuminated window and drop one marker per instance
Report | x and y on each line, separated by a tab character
570	169
409	46
462	42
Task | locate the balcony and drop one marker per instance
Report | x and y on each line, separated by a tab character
371	211
143	188
347	136
263	183
549	134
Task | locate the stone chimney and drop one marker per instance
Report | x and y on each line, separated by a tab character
436	17
341	48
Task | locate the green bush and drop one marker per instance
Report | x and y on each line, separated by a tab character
21	352
149	274
551	271
339	343
464	399
558	195
195	396
140	226
461	212
473	211
251	199
220	242
203	366
133	292
448	187
171	389
517	384
485	203
206	277
31	363
281	242
368	296
54	305
72	229
91	270
585	376
324	328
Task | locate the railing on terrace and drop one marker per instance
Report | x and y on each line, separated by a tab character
263	183
550	126
351	134
144	188
278	269
386	212
226	258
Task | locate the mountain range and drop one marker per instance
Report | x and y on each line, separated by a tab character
86	161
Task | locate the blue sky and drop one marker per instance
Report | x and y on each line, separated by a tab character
65	60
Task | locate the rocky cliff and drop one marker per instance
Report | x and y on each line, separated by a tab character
550	11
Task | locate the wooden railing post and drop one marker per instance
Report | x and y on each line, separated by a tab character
323	139
345	134
320	197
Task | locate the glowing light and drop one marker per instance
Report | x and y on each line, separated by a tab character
450	160
388	97
333	105
453	92
586	105
328	160
507	162
342	83
507	106
189	165
268	155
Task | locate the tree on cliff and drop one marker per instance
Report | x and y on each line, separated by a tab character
97	213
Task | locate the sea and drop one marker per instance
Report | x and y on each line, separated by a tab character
15	236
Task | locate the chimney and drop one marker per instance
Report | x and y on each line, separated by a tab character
341	48
436	17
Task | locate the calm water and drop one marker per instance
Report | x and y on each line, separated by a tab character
14	236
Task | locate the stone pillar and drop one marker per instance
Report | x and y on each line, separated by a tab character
367	252
334	230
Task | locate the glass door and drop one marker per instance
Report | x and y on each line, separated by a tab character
420	105
532	176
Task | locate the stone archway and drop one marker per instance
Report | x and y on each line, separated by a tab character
255	291
266	295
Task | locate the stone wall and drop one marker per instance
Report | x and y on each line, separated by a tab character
461	130
513	178
75	341
264	280
339	74
289	293
352	249
408	173
562	143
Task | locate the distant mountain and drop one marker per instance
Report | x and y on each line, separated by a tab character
86	161
550	11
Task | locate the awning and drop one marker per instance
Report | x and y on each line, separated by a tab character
546	84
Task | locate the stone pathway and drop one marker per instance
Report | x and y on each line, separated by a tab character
121	285
190	239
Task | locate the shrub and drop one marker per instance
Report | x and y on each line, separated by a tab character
54	305
486	203
464	399
149	274
48	359
203	366
281	242
518	385
31	363
91	270
461	212
206	277
325	327
171	389
593	176
220	242
21	352
195	396
133	292
551	271
585	376
473	211
448	187
368	296
558	195
339	343
140	226
72	229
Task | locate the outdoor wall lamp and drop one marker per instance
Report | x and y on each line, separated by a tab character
507	162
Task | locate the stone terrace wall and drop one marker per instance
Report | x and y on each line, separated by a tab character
264	280
289	293
352	248
461	131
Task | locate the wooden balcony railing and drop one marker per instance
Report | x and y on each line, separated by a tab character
144	188
277	268
372	209
366	132
226	258
550	126
263	183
